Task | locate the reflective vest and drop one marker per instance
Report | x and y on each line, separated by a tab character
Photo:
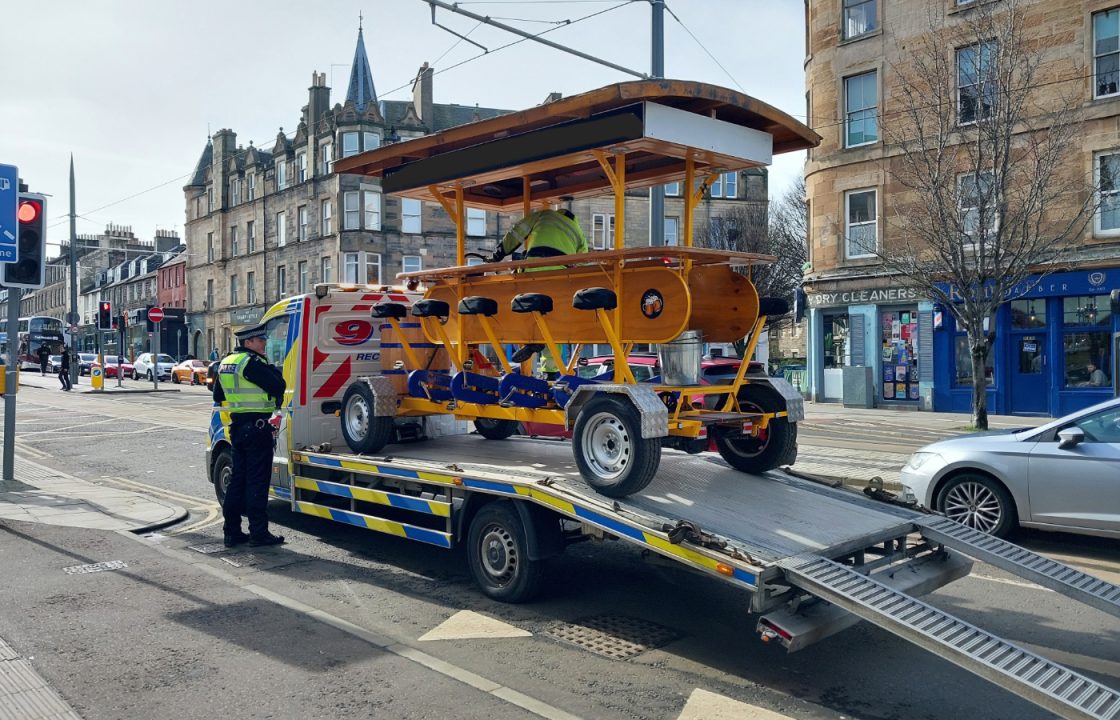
242	395
546	228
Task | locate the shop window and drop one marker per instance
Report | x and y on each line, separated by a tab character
1086	341
835	341
900	355
963	357
1026	314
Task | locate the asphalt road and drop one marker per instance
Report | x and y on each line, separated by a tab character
703	639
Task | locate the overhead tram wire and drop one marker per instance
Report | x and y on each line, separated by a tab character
702	47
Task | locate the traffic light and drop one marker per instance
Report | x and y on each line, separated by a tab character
105	315
29	269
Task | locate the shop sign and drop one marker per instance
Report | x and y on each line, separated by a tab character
245	316
865	296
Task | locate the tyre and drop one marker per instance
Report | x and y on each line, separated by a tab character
223	471
497	550
364	432
174	379
979	502
149	378
774	447
496	429
610	451
135	375
194	379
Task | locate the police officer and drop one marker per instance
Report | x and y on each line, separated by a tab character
251	390
545	233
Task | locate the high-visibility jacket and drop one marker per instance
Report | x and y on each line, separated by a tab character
546	229
241	394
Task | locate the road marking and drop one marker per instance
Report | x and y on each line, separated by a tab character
213	517
704	705
469	625
1006	581
153	490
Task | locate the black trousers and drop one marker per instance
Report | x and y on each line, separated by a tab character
64	378
248	485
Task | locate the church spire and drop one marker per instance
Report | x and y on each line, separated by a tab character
361	90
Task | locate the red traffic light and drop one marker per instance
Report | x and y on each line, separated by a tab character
29	211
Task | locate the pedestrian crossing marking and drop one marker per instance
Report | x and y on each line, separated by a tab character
704	705
469	625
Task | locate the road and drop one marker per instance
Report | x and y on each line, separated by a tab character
700	642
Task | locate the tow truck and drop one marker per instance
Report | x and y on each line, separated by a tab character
810	559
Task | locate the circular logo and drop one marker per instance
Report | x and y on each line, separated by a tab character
652	303
1096	278
97	372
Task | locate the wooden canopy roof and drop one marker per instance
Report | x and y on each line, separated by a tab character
554	146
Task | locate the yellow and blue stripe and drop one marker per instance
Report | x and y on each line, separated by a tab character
389	527
379	497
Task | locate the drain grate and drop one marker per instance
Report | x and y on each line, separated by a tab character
614	636
94	567
208	548
241	560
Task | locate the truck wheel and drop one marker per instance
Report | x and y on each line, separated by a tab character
492	429
979	502
223	471
497	550
777	447
610	451
364	432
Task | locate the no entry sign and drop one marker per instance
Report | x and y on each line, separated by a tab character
155	314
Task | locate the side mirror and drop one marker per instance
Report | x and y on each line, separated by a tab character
1070	437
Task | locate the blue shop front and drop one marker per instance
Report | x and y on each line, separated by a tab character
1053	350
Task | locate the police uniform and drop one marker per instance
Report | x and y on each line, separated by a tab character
249	389
545	233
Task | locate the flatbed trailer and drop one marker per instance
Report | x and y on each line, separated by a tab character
813	559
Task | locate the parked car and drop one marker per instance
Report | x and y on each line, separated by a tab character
111	366
1064	475
54	363
146	365
193	372
85	362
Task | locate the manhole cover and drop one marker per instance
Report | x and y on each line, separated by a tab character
614	636
208	548
241	560
94	567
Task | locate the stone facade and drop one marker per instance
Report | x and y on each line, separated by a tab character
864	47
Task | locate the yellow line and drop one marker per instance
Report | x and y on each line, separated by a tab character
213	516
170	494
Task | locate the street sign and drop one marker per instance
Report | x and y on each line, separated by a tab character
155	314
9	205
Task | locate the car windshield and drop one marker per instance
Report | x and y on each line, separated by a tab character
87	357
166	359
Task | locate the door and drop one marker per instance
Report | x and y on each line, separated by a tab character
1030	393
1079	487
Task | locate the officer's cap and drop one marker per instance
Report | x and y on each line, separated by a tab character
255	331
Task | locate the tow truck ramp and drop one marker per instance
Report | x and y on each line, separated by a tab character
1035	678
1048	573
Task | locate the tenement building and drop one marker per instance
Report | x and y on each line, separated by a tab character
858	53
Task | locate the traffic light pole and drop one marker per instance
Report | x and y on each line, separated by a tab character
11	371
73	316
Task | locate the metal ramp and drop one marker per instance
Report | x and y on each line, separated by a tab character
1048	573
1031	676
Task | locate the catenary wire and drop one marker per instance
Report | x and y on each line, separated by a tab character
702	47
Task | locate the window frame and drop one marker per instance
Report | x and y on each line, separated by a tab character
326	157
357	143
356	257
372	260
301	167
251	287
412	213
980	69
281	174
233	299
325	269
210	247
250	237
326	218
1098	55
849	113
1098	231
347	211
366	135
845	18
676	224
367	213
281	281
673	189
234	245
301	223
281	229
473	218
251	189
848	223
301	277
962	209
405	262
606	231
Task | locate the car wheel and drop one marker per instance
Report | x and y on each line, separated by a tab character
610	451
135	375
223	471
363	431
495	429
174	379
979	502
498	554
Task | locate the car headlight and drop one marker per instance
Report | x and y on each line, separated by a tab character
918	459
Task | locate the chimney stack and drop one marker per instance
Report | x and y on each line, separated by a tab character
422	101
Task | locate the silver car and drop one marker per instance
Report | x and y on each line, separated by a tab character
1064	475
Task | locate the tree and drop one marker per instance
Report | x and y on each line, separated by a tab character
991	198
777	228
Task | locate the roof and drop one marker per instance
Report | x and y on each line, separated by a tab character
445	115
361	91
655	124
198	177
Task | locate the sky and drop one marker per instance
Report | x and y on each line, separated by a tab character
132	88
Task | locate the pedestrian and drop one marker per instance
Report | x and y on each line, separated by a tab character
214	355
44	354
249	389
64	370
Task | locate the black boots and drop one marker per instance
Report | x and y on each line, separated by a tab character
238	538
266	539
526	352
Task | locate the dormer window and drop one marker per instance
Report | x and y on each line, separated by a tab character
281	174
251	186
301	167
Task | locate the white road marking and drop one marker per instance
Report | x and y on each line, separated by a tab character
704	705
1006	581
469	625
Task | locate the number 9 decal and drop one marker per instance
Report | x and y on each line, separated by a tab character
353	332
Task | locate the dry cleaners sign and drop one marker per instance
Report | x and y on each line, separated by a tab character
866	296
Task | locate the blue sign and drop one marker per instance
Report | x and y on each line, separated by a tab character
9	206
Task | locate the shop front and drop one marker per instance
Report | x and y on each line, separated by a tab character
886	327
1050	352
